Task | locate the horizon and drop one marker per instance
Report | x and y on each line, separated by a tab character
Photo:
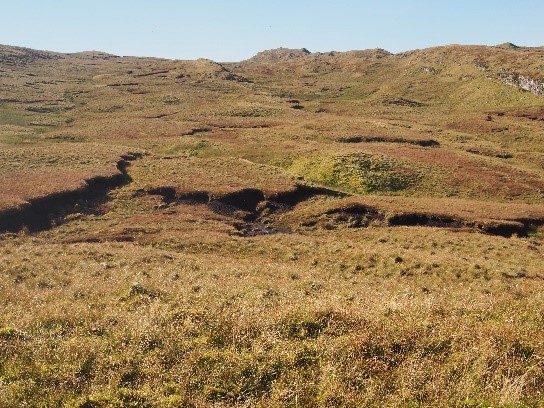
310	52
235	31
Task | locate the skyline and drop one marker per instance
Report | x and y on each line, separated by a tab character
237	30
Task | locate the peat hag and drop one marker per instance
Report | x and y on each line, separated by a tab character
42	213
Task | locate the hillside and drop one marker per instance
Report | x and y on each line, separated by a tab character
354	228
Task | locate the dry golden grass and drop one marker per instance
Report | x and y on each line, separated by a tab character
367	317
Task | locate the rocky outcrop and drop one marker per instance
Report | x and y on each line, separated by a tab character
279	54
222	72
508	46
512	78
526	83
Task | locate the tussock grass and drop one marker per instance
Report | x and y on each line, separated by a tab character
161	326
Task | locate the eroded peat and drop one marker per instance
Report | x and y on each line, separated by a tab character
42	213
255	213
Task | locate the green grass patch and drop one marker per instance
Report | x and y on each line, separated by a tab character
19	139
358	172
200	148
11	116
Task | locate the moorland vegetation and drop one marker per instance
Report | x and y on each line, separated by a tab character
297	229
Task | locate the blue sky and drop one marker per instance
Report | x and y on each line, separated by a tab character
237	29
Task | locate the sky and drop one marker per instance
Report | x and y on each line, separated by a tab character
237	29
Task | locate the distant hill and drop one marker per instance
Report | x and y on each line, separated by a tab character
11	55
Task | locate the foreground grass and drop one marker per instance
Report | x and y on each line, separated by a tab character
373	317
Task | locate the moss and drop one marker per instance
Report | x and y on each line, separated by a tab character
360	172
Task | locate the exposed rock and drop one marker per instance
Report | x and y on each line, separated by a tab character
508	46
94	55
429	70
230	76
222	72
280	54
526	83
